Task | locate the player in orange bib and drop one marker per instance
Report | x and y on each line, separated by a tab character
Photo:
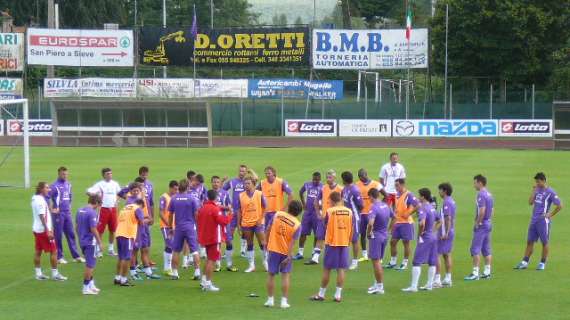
364	185
323	205
281	236
338	237
250	219
129	221
274	189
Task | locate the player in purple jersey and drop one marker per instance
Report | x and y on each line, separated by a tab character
310	219
352	200
164	216
61	196
426	249
86	224
481	243
184	206
224	202
149	192
235	188
446	234
380	219
542	199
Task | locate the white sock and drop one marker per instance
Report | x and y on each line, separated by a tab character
448	277
476	271
354	261
405	262
86	287
338	293
133	272
167	257
204	280
251	258
365	254
487	269
243	245
54	272
92	284
437	278
38	271
431	275
229	260
118	277
316	256
196	272
301	251
270	300
393	260
379	285
185	260
123	279
111	247
175	272
148	271
283	300
416	272
322	292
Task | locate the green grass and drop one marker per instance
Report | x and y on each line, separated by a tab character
509	295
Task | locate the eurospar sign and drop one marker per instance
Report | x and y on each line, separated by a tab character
445	128
95	48
526	128
310	128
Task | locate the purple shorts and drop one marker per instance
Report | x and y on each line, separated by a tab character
320	230
481	243
336	257
125	248
309	224
231	228
268	220
445	246
404	231
274	260
376	247
363	223
426	252
254	229
90	256
181	236
166	237
144	238
539	229
355	229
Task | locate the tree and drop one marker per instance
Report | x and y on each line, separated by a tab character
508	40
279	20
375	11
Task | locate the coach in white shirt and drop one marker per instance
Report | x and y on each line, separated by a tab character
388	174
43	233
107	189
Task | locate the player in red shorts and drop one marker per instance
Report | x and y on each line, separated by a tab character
107	189
211	221
43	233
388	174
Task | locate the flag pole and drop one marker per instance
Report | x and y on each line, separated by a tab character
408	36
445	76
194	32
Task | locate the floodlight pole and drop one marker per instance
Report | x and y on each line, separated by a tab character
445	76
164	75
26	146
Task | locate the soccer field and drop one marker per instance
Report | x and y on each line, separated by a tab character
509	294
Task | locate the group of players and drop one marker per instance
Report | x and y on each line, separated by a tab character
195	222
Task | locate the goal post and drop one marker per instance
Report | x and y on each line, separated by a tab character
24	138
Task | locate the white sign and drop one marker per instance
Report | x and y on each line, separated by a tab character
90	87
96	48
525	128
310	128
165	88
219	88
11	52
36	127
365	128
11	88
1	127
445	128
369	49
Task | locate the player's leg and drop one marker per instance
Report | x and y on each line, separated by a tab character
195	252
319	242
407	251
248	235
431	261
57	222
270	285
475	250
185	256
376	247
395	238
487	253
355	244
532	237
544	232
229	245
101	225
363	239
52	249
89	287
70	237
262	244
420	257
320	296
285	283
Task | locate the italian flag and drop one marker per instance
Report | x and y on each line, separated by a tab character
409	23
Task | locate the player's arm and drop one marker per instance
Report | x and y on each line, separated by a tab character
123	193
302	196
161	207
369	227
289	193
52	204
531	197
447	224
43	220
421	226
268	233
557	207
93	229
480	216
296	236
93	190
382	175
223	220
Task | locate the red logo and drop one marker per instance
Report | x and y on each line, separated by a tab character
507	127
293	126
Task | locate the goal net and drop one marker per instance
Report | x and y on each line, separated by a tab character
15	144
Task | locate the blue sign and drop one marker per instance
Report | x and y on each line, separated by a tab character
445	128
296	89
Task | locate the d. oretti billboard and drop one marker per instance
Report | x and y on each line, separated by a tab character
261	47
465	128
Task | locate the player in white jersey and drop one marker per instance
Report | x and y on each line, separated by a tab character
388	174
107	189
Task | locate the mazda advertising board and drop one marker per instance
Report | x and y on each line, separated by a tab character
445	128
310	128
